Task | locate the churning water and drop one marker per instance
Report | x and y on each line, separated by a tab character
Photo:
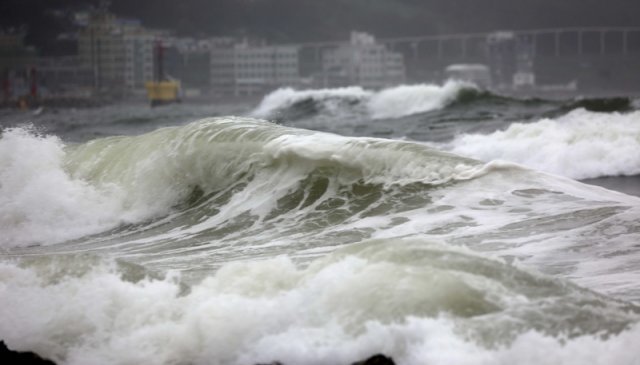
435	224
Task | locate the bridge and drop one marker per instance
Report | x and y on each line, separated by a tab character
554	41
598	58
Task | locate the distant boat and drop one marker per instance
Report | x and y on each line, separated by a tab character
163	92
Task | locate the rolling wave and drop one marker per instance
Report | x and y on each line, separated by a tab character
405	100
119	180
224	189
393	102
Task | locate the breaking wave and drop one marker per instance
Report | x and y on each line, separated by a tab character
106	182
414	99
288	104
394	102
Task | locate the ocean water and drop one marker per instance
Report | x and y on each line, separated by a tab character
437	224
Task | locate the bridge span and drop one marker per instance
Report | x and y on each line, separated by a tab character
551	41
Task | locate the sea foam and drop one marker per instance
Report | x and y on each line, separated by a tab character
580	144
40	201
415	306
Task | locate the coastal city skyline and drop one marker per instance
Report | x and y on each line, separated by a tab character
103	53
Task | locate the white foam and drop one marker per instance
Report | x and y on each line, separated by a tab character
264	311
40	202
51	193
579	145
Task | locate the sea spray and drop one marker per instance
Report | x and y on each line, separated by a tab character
40	201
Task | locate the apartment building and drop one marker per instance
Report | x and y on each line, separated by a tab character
139	59
120	52
362	62
244	69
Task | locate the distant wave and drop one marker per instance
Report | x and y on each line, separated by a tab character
580	145
604	105
299	103
414	99
394	102
406	100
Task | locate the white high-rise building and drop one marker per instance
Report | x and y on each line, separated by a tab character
139	59
362	62
248	70
120	52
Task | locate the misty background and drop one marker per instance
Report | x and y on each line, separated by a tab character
285	21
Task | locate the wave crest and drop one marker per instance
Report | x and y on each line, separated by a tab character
394	102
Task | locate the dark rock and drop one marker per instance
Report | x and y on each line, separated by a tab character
378	359
10	357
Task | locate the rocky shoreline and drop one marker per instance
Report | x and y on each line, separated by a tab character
11	357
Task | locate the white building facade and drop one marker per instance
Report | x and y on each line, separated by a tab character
139	60
120	52
249	70
362	62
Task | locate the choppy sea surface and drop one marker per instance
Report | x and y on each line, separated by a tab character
437	224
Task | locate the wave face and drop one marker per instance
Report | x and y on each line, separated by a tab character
579	145
238	241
